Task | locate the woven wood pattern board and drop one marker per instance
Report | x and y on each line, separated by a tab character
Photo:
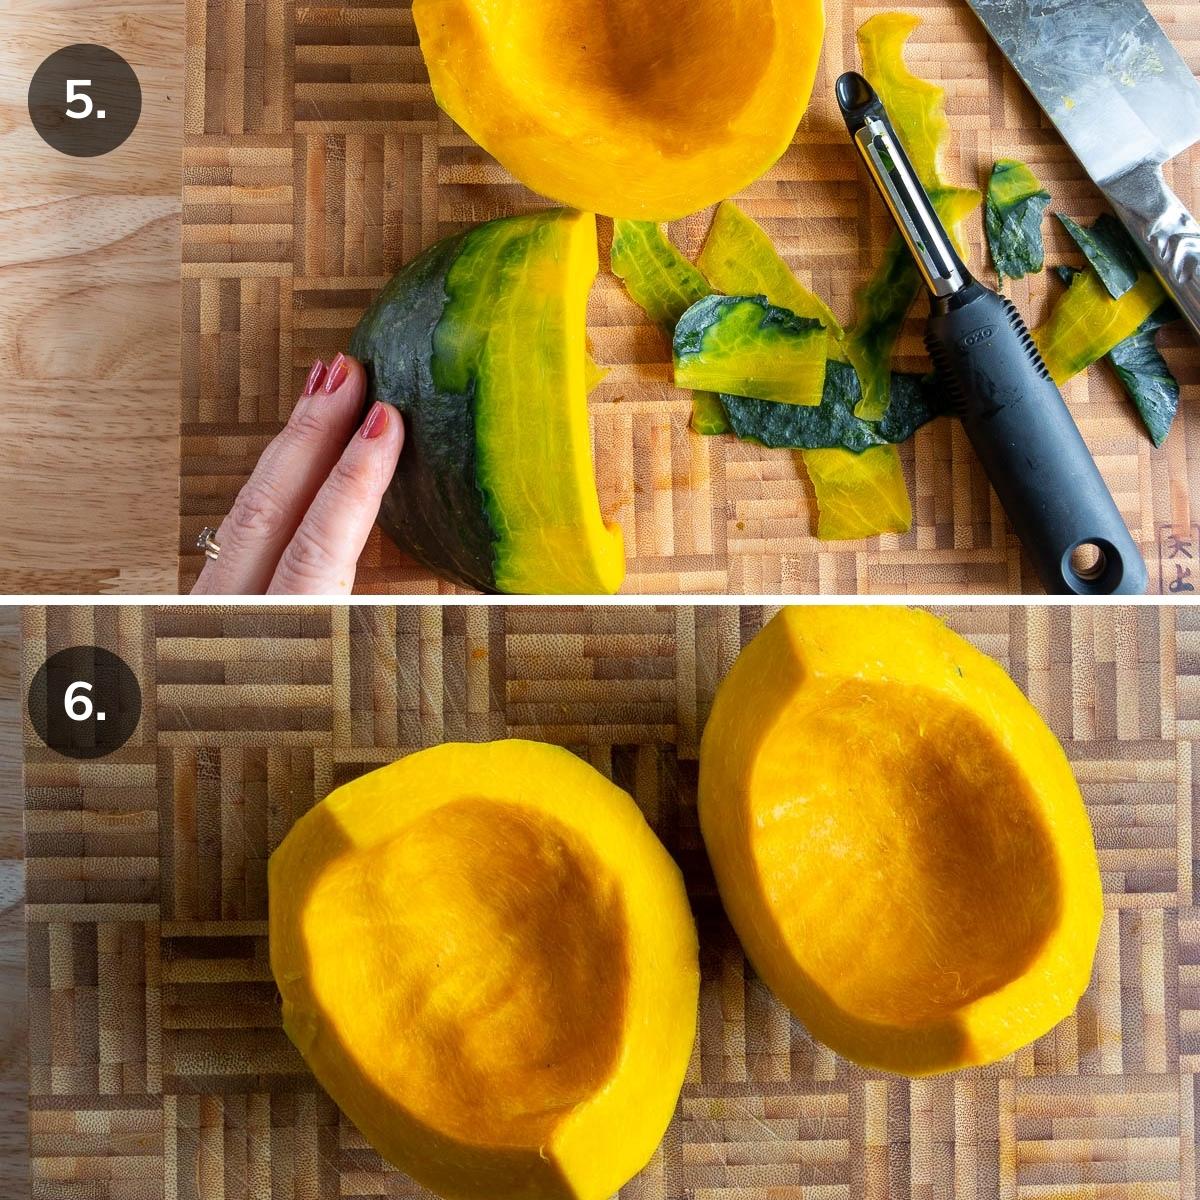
158	1066
316	163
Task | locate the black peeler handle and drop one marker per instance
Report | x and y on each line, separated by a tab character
996	381
1030	447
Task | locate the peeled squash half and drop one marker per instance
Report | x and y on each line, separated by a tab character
639	110
898	840
488	960
481	342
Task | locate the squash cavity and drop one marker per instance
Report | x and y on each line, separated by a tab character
920	937
488	960
504	936
898	840
647	112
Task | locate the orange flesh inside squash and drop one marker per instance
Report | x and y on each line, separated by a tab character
898	840
635	110
483	968
873	799
488	960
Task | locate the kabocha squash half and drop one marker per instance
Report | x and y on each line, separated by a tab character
898	840
488	960
621	107
481	343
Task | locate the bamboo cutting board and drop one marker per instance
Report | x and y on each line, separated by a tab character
316	163
158	1066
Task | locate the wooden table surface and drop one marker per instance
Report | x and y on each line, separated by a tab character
89	317
14	1078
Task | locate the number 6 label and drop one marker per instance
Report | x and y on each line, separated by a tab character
80	707
85	702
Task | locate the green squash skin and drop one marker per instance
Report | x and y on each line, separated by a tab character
1016	206
884	303
1142	370
664	285
430	346
1109	249
832	425
433	509
1147	381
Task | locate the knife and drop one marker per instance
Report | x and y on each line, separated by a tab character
1125	102
996	381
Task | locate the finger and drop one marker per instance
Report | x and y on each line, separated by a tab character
269	509
322	559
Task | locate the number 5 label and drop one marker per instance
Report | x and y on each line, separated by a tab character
82	97
85	100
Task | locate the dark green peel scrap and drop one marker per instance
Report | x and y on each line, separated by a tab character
1016	206
1147	379
1109	249
831	425
916	400
1145	376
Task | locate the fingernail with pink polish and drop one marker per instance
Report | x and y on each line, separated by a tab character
376	422
314	378
338	370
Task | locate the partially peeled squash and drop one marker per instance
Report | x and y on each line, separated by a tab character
488	960
898	840
647	111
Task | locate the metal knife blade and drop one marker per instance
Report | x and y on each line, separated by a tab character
1105	74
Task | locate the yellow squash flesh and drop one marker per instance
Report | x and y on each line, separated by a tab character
551	537
898	840
1087	323
859	495
488	960
634	110
917	109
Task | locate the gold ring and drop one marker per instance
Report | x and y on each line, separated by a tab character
207	541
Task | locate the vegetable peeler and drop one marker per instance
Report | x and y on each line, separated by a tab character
998	385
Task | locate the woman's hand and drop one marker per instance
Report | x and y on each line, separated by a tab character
299	525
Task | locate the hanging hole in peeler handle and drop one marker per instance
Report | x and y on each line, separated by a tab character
1088	562
1093	568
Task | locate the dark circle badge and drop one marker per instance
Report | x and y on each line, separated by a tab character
85	702
84	100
